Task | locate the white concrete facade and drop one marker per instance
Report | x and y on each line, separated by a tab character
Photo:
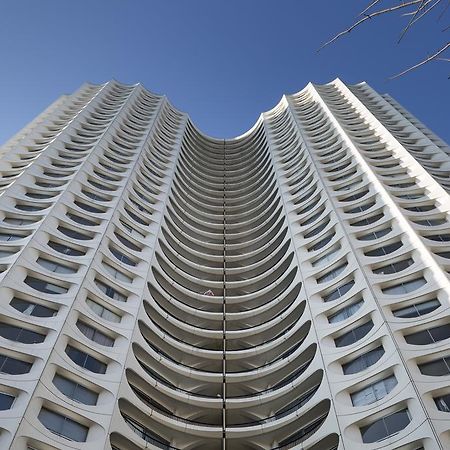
162	289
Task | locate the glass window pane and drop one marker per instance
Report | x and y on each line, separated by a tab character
6	401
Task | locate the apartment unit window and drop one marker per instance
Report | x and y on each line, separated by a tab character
130	229
417	310
75	391
346	312
429	336
32	309
44	286
64	249
122	257
317	230
338	292
327	257
385	427
95	335
374	392
386	250
74	234
84	360
10	237
318	245
89	208
54	266
394	267
354	335
19	334
443	403
437	368
13	366
367	221
110	291
6	401
364	361
405	287
81	220
332	274
103	312
127	243
430	222
63	426
146	434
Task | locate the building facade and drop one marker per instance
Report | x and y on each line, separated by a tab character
288	288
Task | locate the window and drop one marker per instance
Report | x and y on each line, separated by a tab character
64	249
385	427
317	230
32	309
346	312
19	334
81	220
394	267
10	237
417	310
374	392
332	274
63	426
429	336
422	208
110	291
437	368
122	257
439	237
127	243
54	266
364	361
145	434
327	257
75	391
338	292
386	250
430	222
6	401
354	196
354	335
361	208
367	221
443	403
116	273
103	312
44	286
13	366
95	335
321	243
73	234
89	208
84	360
405	287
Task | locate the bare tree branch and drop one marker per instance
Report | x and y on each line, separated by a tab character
426	60
416	12
374	2
369	16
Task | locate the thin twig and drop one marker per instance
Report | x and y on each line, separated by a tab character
426	60
369	16
427	11
368	7
419	8
444	11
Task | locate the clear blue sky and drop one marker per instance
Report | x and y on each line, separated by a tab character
223	61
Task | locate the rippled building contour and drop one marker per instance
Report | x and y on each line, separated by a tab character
162	289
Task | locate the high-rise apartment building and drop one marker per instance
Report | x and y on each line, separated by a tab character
162	289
